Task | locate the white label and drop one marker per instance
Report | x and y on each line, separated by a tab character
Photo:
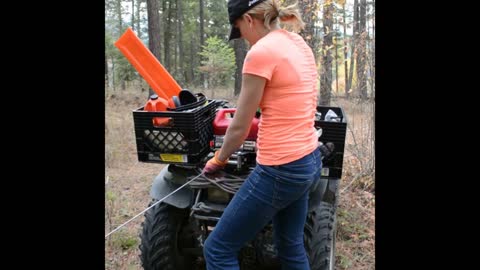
249	146
325	171
252	2
218	141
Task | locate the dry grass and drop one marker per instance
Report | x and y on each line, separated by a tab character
356	210
128	182
359	158
356	231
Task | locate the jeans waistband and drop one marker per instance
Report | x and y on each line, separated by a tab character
314	153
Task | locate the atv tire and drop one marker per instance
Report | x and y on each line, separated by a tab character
159	247
319	237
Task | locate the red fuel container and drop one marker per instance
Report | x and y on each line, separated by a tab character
222	121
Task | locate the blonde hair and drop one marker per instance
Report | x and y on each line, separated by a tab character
272	12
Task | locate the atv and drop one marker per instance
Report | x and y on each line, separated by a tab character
174	230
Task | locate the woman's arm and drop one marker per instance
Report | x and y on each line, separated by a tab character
250	96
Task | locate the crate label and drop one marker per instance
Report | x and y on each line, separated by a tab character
153	157
325	171
174	158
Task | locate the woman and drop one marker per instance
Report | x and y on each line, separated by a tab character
280	77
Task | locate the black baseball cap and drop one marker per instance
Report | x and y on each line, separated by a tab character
236	8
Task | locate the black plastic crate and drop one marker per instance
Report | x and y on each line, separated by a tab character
334	132
184	140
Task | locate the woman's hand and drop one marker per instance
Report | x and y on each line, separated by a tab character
214	164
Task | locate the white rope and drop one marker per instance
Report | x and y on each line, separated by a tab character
153	205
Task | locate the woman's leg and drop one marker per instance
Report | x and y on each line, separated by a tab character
248	212
292	187
267	190
288	227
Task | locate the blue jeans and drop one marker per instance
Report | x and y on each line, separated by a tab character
270	192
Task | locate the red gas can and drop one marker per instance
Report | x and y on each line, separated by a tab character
223	119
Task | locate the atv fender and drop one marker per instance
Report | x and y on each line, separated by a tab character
163	185
332	191
317	192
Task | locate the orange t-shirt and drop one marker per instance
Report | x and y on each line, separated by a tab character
286	129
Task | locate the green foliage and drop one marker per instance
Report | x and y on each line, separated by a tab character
349	228
125	70
344	261
125	241
216	16
216	24
111	196
110	49
118	17
219	61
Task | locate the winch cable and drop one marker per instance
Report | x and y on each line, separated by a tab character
168	195
228	183
232	183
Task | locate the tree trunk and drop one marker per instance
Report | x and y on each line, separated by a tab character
361	53
163	20
202	40
133	17
183	74
353	42
336	55
118	7
240	49
106	66
345	48
137	14
373	50
326	70
192	61
120	28
309	9
113	74
174	38
167	34
154	38
373	35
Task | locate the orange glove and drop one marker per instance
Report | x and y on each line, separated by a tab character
214	164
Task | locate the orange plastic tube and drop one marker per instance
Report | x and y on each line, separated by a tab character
147	65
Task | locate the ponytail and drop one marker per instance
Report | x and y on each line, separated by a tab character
272	12
291	15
